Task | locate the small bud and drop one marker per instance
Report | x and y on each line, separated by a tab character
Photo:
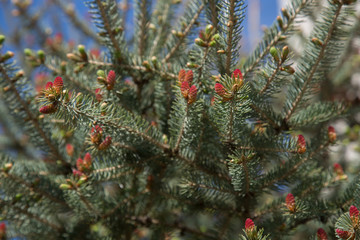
209	29
154	60
28	52
343	234
105	144
2	39
2	230
249	225
331	134
48	86
65	186
285	13
212	43
288	69
221	51
7	167
58	84
282	38
70	149
301	144
275	54
101	73
201	42
96	134
339	172
321	234
181	76
216	37
77	173
146	64
83	178
87	161
280	22
338	169
185	89
48	109
41	56
192	65
354	215
74	57
111	78
189	76
290	202
83	54
220	89
317	42
80	164
6	56
192	94
98	94
284	53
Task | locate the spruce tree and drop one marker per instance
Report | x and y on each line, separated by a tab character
166	134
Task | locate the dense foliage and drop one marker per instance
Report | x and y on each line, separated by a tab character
165	134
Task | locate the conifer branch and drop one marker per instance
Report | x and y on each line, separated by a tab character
37	190
88	205
107	26
203	63
296	166
122	203
143	25
78	24
32	216
177	145
184	35
259	149
274	41
266	117
316	64
196	185
231	120
143	69
115	125
230	26
71	79
32	118
159	33
270	79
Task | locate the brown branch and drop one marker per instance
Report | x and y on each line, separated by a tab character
270	79
107	26
185	33
275	40
316	64
32	118
230	26
296	166
37	190
33	216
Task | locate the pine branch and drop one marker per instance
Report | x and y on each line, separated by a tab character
32	216
143	21
37	190
271	40
32	118
315	65
294	168
161	72
78	24
184	35
107	26
230	25
177	145
275	72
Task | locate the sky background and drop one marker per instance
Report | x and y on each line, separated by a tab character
260	13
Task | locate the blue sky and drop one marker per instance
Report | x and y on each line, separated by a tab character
263	15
